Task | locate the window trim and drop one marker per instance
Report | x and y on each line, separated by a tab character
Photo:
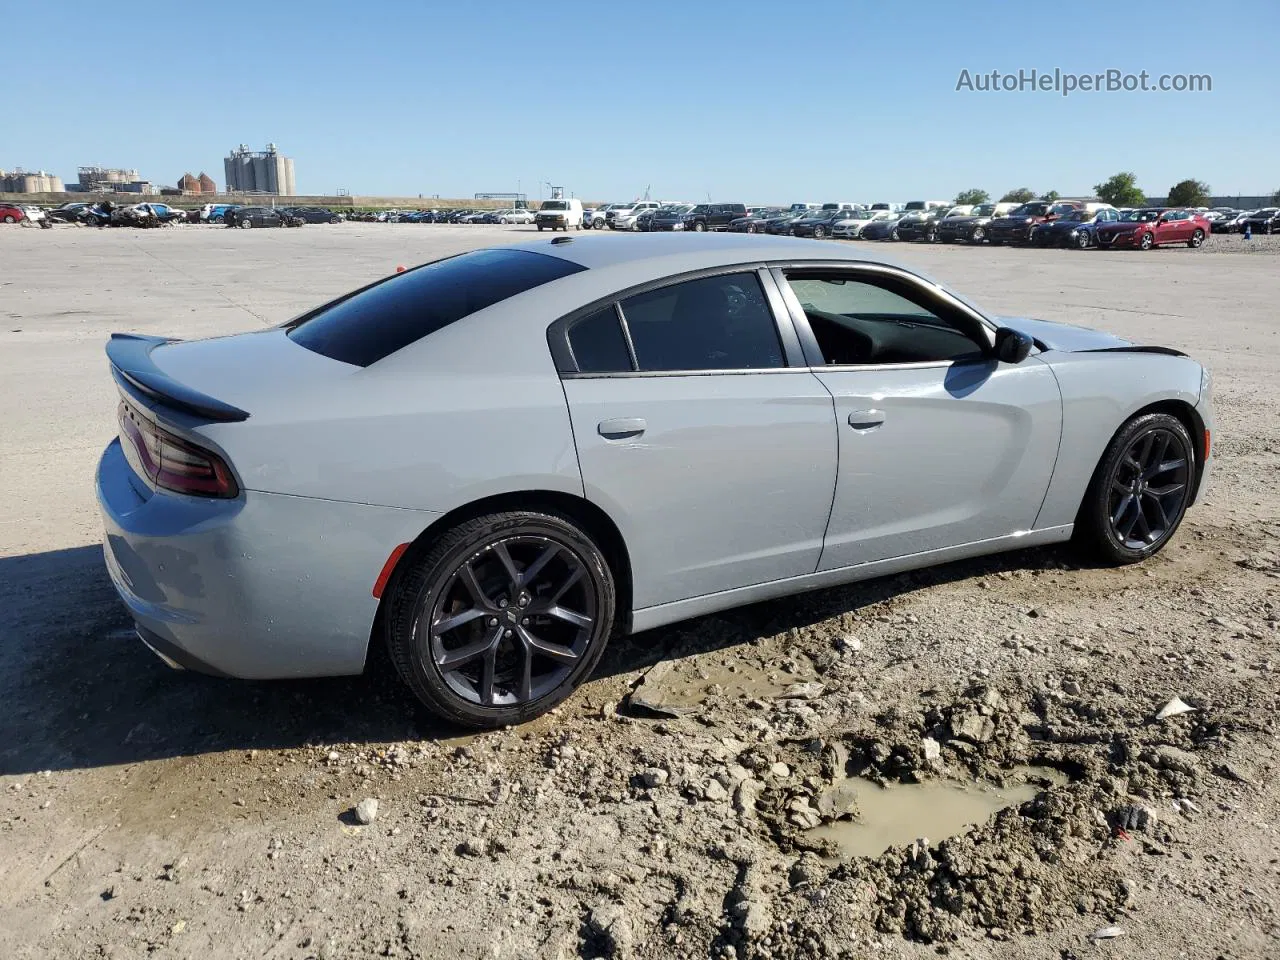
793	357
928	291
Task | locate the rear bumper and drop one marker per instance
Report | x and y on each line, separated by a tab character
262	586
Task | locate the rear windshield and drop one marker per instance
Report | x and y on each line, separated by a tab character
380	319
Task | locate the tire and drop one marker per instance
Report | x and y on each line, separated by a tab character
894	234
819	232
1197	240
430	589
8	218
1106	526
1146	241
539	228
335	219
978	235
246	224
1082	241
752	228
217	219
597	225
699	226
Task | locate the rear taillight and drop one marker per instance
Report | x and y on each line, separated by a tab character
171	462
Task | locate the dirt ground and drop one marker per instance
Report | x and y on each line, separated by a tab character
145	812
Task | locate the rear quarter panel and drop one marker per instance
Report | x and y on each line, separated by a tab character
1100	392
473	410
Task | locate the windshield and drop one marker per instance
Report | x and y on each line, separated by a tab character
554	205
984	210
914	205
1062	209
1139	216
1076	216
1028	210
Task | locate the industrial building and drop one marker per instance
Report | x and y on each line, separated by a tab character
265	171
111	180
195	186
29	181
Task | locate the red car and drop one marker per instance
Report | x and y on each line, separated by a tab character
11	214
1149	228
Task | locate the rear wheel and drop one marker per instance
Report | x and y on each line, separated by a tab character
246	224
1139	491
1197	239
502	617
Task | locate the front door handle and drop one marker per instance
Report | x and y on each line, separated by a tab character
623	428
866	419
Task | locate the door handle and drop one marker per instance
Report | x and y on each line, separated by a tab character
623	428
866	419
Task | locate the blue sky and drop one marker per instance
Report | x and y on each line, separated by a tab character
746	101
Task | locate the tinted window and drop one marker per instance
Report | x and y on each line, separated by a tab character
859	322
598	345
375	322
715	323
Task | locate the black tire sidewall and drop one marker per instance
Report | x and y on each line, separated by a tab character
421	576
1093	524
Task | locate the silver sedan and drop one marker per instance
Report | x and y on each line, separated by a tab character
494	462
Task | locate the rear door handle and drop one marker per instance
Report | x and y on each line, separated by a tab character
623	428
866	419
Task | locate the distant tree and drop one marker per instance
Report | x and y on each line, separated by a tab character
1051	196
972	196
1189	193
1021	195
1121	191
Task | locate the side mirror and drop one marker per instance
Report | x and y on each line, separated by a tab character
1012	346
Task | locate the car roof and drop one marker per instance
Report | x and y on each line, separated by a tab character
673	253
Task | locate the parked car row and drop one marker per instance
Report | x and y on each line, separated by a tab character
1068	223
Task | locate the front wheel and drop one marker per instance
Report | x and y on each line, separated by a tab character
1082	240
699	227
1139	491
894	235
1197	240
501	617
819	232
1146	242
978	235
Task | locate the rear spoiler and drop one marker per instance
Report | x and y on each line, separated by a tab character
133	368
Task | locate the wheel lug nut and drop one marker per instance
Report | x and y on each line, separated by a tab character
507	633
525	622
493	621
502	602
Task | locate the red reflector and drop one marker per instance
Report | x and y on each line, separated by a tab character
388	568
1206	443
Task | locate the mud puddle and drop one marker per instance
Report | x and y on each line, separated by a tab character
686	683
936	810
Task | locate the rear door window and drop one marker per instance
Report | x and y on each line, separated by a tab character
375	322
713	323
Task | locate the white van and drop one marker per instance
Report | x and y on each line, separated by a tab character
559	214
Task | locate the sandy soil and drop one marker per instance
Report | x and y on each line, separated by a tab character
150	813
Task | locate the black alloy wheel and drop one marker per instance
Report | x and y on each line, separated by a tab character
502	617
1140	490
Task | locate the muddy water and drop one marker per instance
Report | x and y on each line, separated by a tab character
900	814
692	680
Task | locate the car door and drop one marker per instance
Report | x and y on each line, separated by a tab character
702	433
939	444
